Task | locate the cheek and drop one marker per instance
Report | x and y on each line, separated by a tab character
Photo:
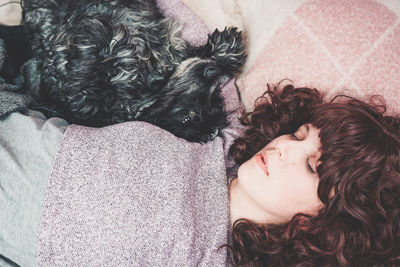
295	190
303	197
248	170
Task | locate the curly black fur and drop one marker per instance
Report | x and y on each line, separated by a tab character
104	62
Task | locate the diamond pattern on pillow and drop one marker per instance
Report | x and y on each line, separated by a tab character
350	46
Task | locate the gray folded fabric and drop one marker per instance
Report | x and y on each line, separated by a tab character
28	144
11	102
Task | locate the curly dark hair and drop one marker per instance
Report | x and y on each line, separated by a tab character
359	224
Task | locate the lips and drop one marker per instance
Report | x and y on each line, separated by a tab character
262	161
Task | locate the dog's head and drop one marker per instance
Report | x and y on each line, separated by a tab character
190	105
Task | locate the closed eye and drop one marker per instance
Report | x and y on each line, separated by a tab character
309	166
294	137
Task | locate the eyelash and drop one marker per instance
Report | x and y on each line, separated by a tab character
293	135
309	167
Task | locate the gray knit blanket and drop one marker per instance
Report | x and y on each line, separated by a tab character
133	194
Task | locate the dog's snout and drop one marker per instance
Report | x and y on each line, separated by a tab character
211	72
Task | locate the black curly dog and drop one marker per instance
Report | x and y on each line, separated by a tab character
104	62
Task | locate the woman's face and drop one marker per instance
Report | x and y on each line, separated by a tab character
281	179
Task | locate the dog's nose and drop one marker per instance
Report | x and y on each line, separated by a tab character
209	137
211	72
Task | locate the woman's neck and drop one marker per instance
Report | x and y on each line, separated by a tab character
242	207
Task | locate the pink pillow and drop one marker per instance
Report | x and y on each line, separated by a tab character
332	45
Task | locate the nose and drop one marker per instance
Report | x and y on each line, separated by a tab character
209	137
289	150
283	148
210	73
279	150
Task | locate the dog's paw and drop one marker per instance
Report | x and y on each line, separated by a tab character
226	48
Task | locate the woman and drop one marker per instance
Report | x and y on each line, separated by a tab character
324	194
317	185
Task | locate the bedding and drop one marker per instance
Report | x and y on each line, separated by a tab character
335	46
29	143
